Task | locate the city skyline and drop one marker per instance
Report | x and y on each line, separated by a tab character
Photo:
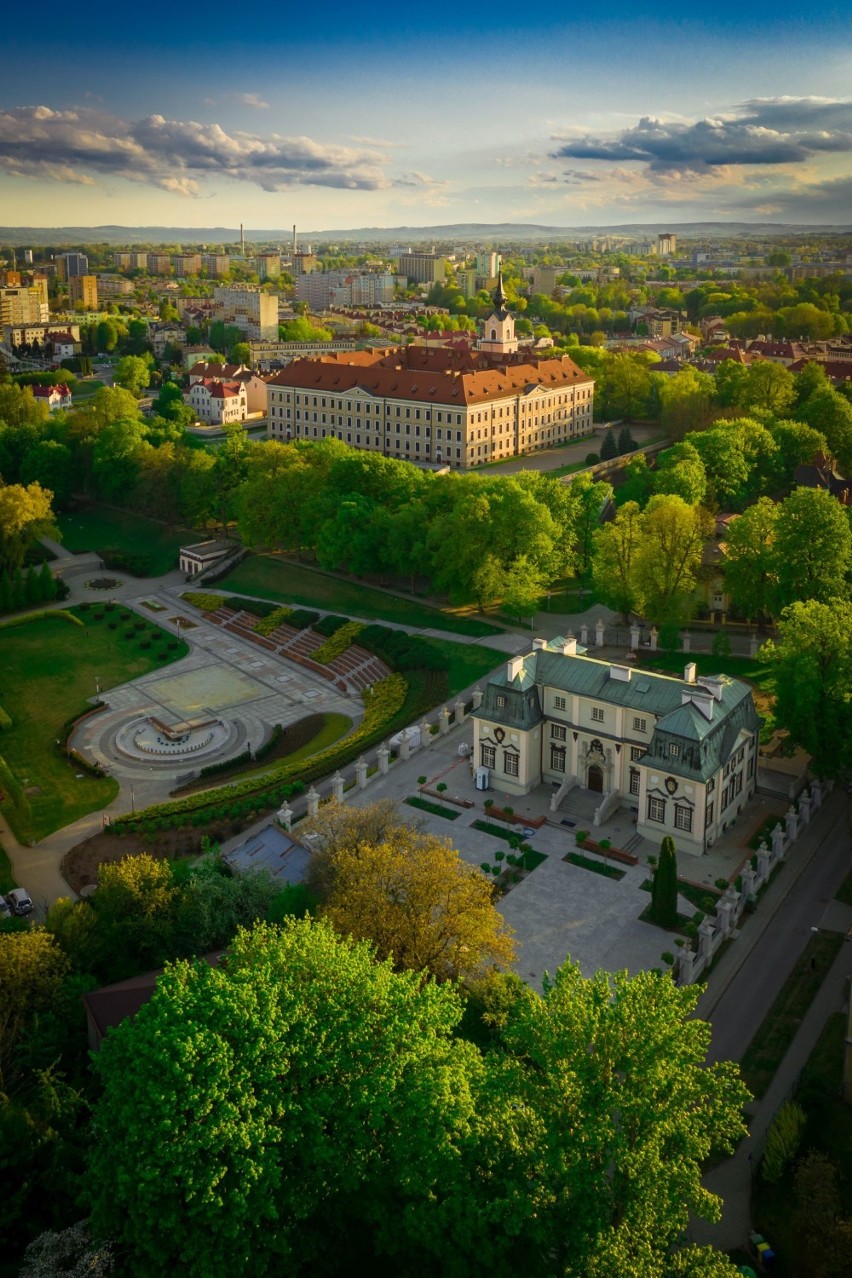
373	119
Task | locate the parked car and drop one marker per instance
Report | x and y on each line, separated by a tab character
5	912
19	901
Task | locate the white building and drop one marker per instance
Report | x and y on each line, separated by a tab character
217	403
56	397
682	752
254	313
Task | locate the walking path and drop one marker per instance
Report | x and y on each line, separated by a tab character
747	980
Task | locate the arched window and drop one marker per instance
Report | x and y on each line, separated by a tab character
494	334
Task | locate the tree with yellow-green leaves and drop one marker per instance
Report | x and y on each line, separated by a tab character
26	514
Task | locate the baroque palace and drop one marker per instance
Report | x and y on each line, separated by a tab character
450	406
682	752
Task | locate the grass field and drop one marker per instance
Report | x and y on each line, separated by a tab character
465	664
271	577
50	669
85	390
101	530
778	1028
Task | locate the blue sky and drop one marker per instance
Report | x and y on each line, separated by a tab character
379	116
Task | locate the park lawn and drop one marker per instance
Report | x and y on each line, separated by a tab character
85	390
778	1027
99	530
273	577
334	727
50	667
465	663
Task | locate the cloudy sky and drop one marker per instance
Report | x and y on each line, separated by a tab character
366	116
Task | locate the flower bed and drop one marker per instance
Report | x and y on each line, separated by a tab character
436	809
337	643
206	602
597	867
266	625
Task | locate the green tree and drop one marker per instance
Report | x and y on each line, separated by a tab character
813	677
688	401
132	372
668	557
767	386
680	471
830	413
25	515
664	890
614	562
609	446
626	386
751	577
813	548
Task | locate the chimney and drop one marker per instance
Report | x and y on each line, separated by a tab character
294	239
689	673
713	684
701	699
514	668
569	647
539	644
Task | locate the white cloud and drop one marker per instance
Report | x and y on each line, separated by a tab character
252	100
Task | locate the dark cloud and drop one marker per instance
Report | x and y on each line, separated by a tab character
760	132
174	154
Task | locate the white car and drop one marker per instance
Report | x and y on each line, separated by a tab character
19	901
5	912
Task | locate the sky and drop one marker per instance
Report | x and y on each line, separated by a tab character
365	115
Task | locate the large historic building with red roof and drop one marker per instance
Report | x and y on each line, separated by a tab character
454	407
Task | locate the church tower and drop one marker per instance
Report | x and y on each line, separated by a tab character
498	333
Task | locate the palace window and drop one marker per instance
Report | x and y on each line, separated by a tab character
634	780
559	703
638	725
636	752
489	756
557	732
501	701
674	750
557	758
708	815
656	809
682	817
597	714
510	764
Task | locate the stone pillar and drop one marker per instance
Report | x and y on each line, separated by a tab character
778	843
337	787
444	720
599	633
748	880
753	645
816	793
425	734
285	818
477	697
361	773
792	823
686	640
654	636
763	858
724	911
459	709
584	634
805	807
685	966
383	755
634	637
404	745
705	939
313	802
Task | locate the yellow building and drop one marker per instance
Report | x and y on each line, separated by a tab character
83	291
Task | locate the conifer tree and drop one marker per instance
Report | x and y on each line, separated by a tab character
626	442
609	448
664	895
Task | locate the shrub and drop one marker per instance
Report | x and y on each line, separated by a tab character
782	1141
667	957
581	836
329	625
337	643
257	607
485	867
201	599
266	625
146	643
130	634
592	459
302	618
113	625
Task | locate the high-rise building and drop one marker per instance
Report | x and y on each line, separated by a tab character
83	291
254	313
268	266
217	265
22	305
666	244
423	268
75	264
160	263
186	263
488	264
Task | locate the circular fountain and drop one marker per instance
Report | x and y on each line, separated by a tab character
153	740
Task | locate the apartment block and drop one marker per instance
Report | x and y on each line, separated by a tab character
22	306
186	264
254	313
268	266
83	291
423	268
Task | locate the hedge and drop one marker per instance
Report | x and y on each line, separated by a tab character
302	618
399	650
338	642
37	616
203	600
266	625
226	765
257	607
329	625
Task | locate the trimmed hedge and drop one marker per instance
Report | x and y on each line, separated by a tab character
266	625
302	618
226	765
329	625
338	642
399	650
264	751
257	607
204	600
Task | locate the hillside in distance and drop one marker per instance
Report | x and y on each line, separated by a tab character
456	233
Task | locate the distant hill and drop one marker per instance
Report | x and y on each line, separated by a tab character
456	232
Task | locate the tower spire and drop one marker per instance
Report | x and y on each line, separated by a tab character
499	294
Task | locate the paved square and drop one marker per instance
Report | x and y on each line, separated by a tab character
210	688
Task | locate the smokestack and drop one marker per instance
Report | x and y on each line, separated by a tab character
294	239
242	241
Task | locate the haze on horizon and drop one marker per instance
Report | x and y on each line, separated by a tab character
368	117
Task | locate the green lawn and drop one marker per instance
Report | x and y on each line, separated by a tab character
84	390
437	809
50	667
102	530
778	1028
465	664
272	577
